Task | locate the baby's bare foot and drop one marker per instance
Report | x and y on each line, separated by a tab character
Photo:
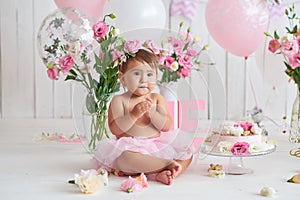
175	169
164	177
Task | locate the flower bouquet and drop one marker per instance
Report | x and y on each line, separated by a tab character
86	54
180	55
289	46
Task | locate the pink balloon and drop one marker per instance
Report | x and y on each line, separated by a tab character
92	8
237	26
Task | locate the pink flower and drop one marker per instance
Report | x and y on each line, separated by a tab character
131	185
177	45
274	45
294	60
150	45
66	63
245	125
53	73
184	72
169	60
289	48
191	52
240	148
100	29
132	46
142	179
185	61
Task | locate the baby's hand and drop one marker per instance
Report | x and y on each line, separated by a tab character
141	108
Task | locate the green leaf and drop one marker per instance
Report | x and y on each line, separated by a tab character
70	77
91	105
276	36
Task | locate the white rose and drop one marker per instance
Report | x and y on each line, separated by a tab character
90	181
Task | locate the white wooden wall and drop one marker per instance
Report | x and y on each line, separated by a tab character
26	91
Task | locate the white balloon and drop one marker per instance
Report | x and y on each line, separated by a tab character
137	14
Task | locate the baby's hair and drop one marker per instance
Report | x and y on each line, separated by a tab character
143	56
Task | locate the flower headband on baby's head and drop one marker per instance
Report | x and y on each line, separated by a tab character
131	47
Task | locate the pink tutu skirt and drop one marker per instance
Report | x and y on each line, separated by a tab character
169	145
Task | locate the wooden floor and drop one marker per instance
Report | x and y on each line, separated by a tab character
40	170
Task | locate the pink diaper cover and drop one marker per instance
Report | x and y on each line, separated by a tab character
169	145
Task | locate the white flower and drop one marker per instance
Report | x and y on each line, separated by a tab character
224	146
236	130
115	32
268	192
216	173
256	129
174	66
90	181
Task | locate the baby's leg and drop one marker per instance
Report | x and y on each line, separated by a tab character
135	163
163	170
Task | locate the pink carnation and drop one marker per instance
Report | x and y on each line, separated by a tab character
132	46
100	29
274	45
66	63
240	148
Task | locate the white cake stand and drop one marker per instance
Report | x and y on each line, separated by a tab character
235	164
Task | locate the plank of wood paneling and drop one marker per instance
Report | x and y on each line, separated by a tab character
17	69
44	99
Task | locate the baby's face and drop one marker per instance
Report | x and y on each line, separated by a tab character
140	78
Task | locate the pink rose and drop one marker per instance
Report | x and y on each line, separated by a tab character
100	29
53	73
274	45
240	148
294	61
66	63
289	48
132	46
131	185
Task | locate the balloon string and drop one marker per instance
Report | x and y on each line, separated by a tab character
253	91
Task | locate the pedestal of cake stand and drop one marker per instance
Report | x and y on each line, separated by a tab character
236	166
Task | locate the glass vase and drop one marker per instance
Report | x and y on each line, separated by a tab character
295	120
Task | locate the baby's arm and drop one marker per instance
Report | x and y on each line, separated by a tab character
120	121
159	114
